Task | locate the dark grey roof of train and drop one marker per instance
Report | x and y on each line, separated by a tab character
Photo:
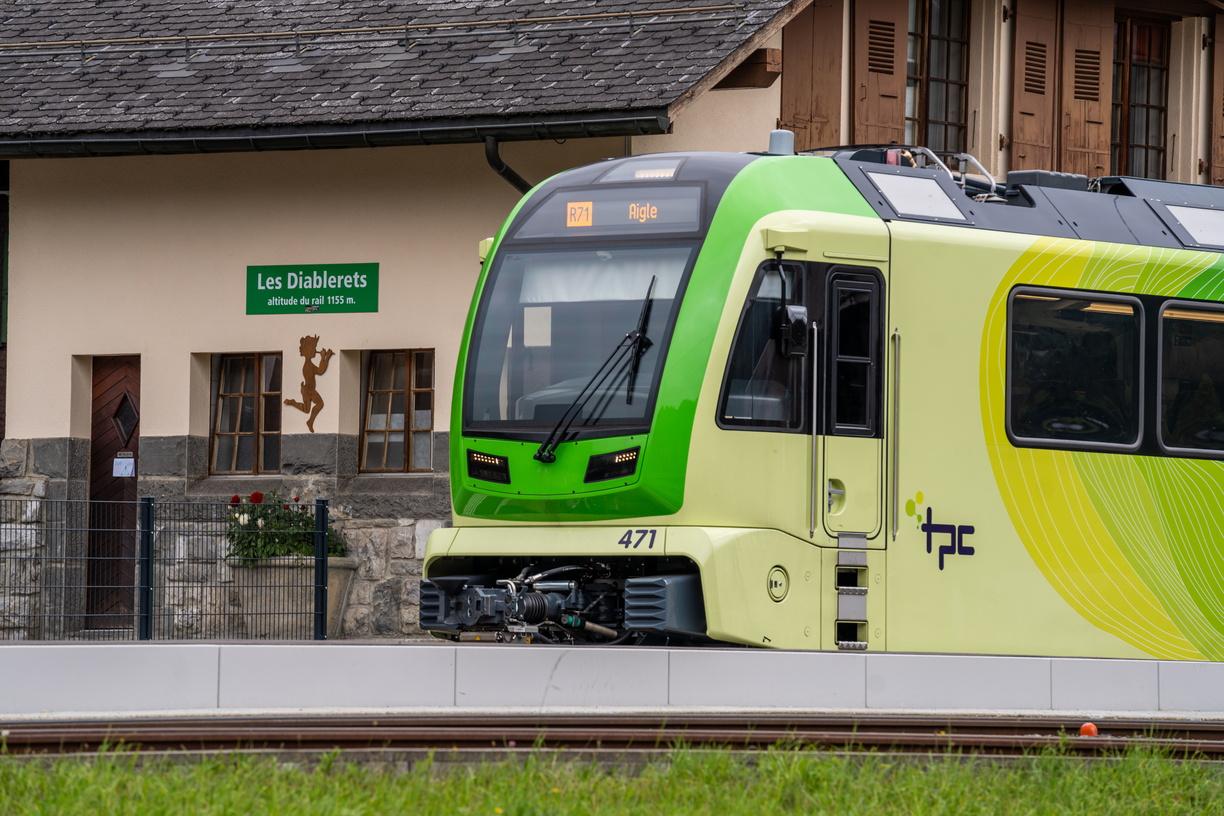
179	75
1118	210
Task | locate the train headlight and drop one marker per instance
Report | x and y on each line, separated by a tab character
488	467
613	465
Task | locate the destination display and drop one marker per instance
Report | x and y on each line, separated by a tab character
615	211
312	288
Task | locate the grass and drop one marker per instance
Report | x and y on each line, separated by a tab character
696	782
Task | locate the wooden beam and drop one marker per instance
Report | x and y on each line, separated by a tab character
760	69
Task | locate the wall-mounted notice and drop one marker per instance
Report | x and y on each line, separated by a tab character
123	466
312	288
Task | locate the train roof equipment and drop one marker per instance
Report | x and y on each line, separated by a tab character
911	183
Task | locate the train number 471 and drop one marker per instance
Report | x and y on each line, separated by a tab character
633	539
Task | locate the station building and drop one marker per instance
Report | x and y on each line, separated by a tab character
242	237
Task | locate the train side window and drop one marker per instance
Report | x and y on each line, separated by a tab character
854	354
763	388
1074	369
1192	377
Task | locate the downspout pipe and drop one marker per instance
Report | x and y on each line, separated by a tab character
493	157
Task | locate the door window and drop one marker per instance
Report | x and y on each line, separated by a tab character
763	388
853	305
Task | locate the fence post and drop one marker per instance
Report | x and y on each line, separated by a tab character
320	570
146	569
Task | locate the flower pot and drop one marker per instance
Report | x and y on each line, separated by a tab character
276	596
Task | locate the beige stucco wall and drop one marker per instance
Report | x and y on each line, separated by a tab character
148	256
735	119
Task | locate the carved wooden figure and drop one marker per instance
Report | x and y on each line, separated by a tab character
311	402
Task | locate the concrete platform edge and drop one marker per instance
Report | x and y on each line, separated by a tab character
82	680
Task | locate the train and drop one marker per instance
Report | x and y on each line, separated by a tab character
858	398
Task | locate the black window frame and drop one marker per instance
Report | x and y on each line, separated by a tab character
820	281
1141	385
501	429
861	279
803	363
1176	450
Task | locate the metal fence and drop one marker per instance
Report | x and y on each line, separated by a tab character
152	570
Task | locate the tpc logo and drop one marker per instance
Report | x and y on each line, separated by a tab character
926	523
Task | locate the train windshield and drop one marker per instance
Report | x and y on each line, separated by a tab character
551	320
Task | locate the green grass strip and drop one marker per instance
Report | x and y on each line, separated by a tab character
686	781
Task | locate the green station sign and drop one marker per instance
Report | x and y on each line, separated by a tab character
312	288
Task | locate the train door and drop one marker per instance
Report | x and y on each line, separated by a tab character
852	361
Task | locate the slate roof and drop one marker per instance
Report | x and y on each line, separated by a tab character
93	69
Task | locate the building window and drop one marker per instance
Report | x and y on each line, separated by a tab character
1074	369
247	414
1140	97
397	432
1192	377
937	75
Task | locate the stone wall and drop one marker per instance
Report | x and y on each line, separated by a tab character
22	555
385	598
385	520
41	574
194	592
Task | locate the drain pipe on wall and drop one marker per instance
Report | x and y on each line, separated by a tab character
493	157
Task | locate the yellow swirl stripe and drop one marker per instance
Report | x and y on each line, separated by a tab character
1062	504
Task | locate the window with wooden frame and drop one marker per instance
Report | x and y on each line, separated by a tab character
937	75
246	420
397	427
1140	96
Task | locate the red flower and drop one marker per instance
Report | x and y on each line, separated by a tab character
284	507
235	499
257	497
297	498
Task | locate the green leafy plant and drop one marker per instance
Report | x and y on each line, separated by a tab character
266	526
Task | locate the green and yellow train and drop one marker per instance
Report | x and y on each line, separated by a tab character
843	400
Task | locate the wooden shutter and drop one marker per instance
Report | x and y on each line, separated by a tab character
1034	85
1087	86
812	75
880	28
1217	102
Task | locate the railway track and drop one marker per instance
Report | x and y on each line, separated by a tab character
614	732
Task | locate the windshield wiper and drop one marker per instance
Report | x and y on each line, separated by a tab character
640	341
636	343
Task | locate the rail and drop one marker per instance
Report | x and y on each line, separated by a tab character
1004	735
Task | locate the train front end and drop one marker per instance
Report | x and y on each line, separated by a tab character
582	358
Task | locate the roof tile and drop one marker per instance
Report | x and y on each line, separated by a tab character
248	63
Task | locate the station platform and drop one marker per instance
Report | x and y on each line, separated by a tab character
72	680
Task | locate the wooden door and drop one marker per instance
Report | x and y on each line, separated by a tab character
812	75
1087	86
879	37
115	433
1034	85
